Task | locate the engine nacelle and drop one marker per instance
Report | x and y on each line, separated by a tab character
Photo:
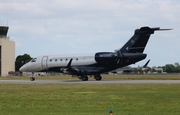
107	58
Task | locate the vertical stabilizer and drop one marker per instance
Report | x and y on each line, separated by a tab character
138	41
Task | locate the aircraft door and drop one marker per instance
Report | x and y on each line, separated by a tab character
44	63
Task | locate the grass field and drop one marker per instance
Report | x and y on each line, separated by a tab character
89	99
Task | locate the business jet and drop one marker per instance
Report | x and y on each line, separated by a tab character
94	64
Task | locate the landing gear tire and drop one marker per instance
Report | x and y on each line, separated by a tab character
84	78
80	77
97	78
32	78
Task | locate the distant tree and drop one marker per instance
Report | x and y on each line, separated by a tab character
21	60
170	68
176	67
176	64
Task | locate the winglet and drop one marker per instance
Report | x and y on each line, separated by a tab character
69	64
145	65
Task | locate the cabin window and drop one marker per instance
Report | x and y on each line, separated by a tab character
76	59
66	59
55	59
61	59
50	60
33	60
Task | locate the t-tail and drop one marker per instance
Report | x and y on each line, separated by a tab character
132	51
138	41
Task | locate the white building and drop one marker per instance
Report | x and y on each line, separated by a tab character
7	52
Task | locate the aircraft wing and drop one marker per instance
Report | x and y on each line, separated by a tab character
71	70
129	69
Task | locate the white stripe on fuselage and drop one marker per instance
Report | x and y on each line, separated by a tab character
63	60
55	61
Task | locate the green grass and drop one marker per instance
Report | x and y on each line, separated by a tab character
89	99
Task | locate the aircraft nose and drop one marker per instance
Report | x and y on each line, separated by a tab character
24	68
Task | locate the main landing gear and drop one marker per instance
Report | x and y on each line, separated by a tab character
32	78
85	77
97	77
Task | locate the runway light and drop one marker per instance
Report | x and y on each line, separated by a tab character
111	112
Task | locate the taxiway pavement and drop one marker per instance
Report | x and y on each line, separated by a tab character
90	82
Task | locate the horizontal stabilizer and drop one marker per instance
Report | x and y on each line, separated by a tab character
158	29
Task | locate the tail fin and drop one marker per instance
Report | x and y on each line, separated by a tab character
138	41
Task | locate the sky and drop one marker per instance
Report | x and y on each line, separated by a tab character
42	27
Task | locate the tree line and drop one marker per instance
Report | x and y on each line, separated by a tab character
172	68
168	68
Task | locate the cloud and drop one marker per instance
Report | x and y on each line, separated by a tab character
71	26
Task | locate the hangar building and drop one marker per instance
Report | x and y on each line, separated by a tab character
7	52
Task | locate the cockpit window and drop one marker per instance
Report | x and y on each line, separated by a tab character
33	60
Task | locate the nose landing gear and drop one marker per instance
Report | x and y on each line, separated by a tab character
32	78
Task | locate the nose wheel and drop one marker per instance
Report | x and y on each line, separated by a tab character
32	78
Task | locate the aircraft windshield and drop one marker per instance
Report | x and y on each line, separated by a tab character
33	60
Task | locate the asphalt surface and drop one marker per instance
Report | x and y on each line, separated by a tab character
90	82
